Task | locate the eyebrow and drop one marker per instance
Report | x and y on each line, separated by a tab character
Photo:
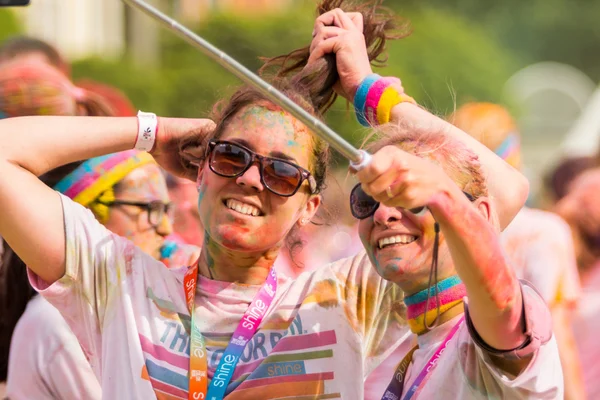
276	154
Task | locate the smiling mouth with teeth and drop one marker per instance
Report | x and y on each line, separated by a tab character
242	208
398	239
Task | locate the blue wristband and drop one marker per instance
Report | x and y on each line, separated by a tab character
360	98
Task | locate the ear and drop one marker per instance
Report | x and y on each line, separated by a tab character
486	209
310	209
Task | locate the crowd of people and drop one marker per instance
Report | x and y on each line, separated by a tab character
219	257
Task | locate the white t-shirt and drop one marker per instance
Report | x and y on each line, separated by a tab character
540	247
46	361
586	325
324	332
464	371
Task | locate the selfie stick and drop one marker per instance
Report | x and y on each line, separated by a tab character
358	158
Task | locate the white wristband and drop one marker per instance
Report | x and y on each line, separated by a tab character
147	126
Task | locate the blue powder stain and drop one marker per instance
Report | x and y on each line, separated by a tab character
167	250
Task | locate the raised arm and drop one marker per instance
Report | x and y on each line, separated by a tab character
31	217
467	228
342	33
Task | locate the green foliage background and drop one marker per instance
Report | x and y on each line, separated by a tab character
445	55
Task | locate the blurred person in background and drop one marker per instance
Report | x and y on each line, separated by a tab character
580	207
126	192
558	180
537	242
24	48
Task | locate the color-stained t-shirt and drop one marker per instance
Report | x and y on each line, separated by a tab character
464	371
46	361
540	247
586	325
324	332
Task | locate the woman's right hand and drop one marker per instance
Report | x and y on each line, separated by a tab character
180	141
341	33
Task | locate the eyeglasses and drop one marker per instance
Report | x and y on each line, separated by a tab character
281	177
363	206
156	209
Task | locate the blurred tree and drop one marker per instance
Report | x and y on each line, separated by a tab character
445	55
537	30
9	24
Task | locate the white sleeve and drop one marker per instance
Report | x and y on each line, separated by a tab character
96	261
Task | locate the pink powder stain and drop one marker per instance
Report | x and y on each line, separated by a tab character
129	254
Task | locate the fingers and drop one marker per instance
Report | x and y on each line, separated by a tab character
389	159
340	19
324	47
324	34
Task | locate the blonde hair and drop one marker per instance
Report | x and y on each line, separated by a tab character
458	161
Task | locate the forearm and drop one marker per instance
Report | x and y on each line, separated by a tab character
495	302
508	188
567	348
39	144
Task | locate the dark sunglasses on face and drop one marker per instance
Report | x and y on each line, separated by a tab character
363	206
282	177
156	209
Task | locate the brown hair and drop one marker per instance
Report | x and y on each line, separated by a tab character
380	25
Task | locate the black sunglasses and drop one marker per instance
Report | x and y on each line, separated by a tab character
363	206
282	177
156	209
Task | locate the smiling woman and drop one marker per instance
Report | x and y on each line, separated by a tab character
229	325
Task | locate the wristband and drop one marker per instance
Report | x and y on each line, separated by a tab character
360	98
373	98
147	128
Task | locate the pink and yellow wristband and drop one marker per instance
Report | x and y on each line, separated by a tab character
375	98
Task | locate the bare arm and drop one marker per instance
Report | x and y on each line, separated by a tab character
31	217
495	303
508	188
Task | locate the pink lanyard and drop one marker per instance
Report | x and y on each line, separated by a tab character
198	378
396	386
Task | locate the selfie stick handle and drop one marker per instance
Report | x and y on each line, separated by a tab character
358	158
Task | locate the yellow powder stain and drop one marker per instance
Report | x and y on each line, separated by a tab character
325	294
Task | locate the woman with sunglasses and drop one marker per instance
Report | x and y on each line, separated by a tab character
229	319
428	223
125	191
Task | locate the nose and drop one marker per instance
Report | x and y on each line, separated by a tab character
385	215
165	227
251	179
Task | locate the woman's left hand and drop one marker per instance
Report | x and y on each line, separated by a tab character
396	178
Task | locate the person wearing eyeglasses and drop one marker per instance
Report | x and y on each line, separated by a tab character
230	325
125	191
430	221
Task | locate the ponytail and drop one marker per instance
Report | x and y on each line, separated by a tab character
318	79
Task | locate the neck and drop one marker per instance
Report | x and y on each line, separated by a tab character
420	312
221	264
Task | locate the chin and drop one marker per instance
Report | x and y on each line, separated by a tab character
236	238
